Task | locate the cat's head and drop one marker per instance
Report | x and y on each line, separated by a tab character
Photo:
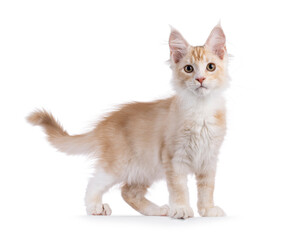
201	70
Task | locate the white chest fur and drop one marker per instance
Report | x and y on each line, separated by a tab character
199	135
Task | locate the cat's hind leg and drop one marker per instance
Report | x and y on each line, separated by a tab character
97	186
134	195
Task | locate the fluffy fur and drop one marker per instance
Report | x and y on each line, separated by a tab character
169	138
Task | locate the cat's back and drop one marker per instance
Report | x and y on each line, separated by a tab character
137	123
135	113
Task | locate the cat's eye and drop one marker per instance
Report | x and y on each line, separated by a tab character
188	68
211	67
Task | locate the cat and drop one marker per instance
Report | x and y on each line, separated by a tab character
143	142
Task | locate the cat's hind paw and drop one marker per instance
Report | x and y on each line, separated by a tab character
164	210
212	212
99	209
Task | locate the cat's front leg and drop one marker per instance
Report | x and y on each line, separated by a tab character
178	193
205	186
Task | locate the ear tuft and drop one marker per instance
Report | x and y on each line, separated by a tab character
178	45
216	41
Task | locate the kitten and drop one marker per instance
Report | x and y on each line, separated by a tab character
169	138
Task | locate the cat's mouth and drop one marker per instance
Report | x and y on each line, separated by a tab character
201	90
201	87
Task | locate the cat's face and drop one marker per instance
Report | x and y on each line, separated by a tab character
201	69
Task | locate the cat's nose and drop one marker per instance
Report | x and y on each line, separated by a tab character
200	80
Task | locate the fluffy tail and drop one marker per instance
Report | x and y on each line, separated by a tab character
59	138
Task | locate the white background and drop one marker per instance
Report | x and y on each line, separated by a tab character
78	59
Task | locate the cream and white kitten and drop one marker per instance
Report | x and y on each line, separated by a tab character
170	138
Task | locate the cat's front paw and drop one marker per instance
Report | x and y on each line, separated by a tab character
212	212
181	212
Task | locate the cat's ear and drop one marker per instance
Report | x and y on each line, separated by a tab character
178	45
216	41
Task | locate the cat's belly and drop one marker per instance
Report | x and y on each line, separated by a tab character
144	169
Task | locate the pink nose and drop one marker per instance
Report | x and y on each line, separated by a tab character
200	80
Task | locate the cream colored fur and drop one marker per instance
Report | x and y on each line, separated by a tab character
165	139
